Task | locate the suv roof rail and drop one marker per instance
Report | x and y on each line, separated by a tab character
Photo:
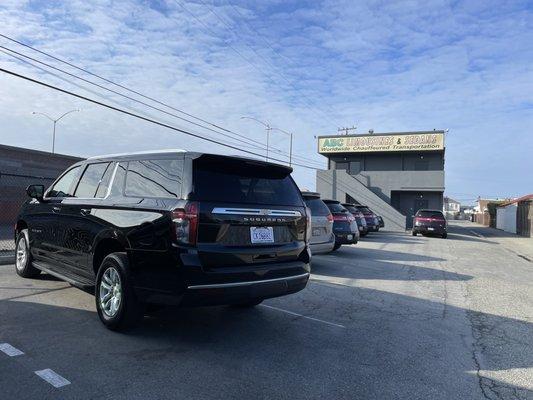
134	153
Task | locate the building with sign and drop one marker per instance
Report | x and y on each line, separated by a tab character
395	174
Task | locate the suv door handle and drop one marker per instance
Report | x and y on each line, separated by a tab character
85	211
56	209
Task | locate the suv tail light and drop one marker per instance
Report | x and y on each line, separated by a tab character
185	222
348	218
330	218
309	229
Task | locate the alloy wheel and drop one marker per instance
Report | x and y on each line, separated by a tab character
110	292
21	254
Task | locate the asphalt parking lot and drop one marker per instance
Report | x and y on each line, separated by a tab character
393	317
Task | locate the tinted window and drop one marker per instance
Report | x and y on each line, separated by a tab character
365	210
430	214
317	206
90	180
64	186
336	207
241	182
105	181
154	178
352	209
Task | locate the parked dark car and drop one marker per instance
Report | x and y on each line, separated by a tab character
169	227
430	222
381	221
344	225
322	238
372	222
359	218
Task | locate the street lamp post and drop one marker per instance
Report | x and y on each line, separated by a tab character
290	146
55	121
268	129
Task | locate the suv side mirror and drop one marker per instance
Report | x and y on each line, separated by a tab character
35	192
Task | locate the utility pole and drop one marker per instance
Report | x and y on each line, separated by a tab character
55	121
268	129
345	130
290	145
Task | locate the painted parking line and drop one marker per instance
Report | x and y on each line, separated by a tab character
10	350
477	234
303	316
52	378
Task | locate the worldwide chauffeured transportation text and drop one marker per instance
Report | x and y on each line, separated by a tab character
168	227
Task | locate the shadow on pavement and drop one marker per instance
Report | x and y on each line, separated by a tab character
394	346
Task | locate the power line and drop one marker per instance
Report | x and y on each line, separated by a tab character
139	116
309	104
105	88
304	159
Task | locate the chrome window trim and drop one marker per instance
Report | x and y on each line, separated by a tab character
256	211
247	283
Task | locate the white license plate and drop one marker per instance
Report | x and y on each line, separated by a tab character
349	237
431	229
262	234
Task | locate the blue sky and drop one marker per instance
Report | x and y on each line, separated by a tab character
306	67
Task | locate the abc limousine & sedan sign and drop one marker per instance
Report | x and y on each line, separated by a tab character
356	144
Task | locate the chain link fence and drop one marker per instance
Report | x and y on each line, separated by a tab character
12	196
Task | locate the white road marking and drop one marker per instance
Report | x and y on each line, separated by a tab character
477	234
303	316
52	378
10	350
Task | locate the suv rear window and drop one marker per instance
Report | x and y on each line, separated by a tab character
430	214
154	178
336	207
352	209
317	207
236	181
365	210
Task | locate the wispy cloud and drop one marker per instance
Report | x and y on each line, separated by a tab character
306	67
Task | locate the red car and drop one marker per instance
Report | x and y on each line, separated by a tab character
430	222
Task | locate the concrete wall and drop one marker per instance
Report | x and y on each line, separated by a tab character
21	167
335	184
384	182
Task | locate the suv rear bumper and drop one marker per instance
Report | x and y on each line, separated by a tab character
241	292
322	248
197	286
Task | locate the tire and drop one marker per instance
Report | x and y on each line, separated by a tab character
23	257
121	310
414	233
444	235
248	304
336	247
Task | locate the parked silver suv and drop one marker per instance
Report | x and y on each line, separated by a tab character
322	237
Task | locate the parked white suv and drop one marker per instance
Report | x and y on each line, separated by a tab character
322	237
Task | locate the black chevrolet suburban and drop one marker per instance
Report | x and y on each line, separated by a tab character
167	227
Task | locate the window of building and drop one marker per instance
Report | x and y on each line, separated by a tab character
342	165
421	165
355	167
